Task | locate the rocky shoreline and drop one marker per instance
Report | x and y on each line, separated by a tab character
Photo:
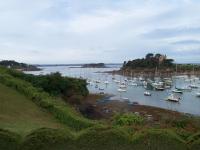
100	107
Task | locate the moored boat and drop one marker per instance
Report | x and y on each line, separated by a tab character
125	98
106	82
198	94
121	90
101	89
173	98
177	91
187	89
194	86
146	93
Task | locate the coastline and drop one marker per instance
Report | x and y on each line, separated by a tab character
100	107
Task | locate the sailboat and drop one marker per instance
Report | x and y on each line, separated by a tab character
146	93
198	94
133	84
186	89
121	90
125	98
158	86
173	98
106	82
193	85
177	91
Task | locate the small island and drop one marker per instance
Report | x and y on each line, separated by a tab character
94	65
157	65
18	66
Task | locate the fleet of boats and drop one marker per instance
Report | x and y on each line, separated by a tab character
157	84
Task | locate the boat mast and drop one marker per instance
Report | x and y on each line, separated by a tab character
176	75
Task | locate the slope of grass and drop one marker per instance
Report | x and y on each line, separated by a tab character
59	109
21	115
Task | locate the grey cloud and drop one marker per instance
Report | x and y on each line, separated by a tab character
171	32
187	42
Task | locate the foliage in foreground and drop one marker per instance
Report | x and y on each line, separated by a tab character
100	138
54	83
58	109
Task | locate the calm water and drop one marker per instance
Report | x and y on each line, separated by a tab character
189	103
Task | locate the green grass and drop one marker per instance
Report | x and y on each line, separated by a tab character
21	115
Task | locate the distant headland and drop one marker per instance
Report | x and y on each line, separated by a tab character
157	65
18	66
94	65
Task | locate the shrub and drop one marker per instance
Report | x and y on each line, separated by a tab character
127	119
158	140
180	123
54	83
49	139
103	139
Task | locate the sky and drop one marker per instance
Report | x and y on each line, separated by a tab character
110	31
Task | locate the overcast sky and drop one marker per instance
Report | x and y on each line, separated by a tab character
82	31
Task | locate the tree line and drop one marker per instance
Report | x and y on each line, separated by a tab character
150	61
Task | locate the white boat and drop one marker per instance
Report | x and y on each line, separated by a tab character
177	91
125	98
123	83
106	82
158	88
121	90
97	81
146	93
89	82
167	87
141	78
116	81
145	83
173	98
101	89
187	80
187	89
133	84
194	86
122	86
198	94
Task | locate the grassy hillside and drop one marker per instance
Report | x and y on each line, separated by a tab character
54	105
31	119
20	115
